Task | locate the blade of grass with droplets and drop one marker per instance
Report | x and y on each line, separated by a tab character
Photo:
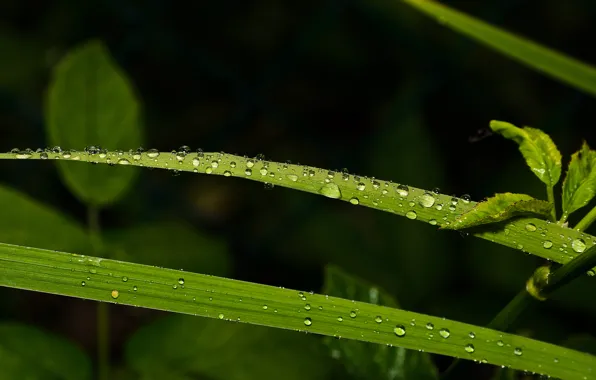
216	297
530	235
540	58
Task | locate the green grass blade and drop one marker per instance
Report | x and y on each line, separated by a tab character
215	297
529	235
557	65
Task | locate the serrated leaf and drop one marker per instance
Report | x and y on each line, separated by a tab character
579	186
539	150
366	360
501	207
29	353
90	102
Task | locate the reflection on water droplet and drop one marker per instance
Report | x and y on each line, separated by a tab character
227	173
134	288
444	333
530	227
472	335
43	156
466	198
214	164
307	321
578	245
340	319
83	283
152	153
361	186
430	326
124	278
378	319
411	215
123	161
265	307
248	172
500	343
426	200
403	190
400	331
354	201
115	294
547	244
292	177
195	162
518	351
352	314
469	348
181	281
220	316
433	222
331	190
307	307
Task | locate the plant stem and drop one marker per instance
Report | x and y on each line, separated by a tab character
551	198
586	221
102	313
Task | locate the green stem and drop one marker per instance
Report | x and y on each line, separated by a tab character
575	268
103	317
587	220
551	198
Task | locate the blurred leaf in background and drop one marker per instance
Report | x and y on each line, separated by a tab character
367	360
170	244
184	347
29	353
91	103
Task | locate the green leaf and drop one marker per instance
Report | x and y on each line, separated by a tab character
540	152
176	291
32	223
29	353
501	207
542	59
189	249
91	102
206	348
366	360
579	186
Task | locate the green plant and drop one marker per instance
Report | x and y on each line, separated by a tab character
364	312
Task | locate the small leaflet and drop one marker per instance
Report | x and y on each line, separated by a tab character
501	207
539	150
579	186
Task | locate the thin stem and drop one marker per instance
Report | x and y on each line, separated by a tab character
551	198
580	265
103	317
587	220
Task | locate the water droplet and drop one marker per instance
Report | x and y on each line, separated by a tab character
115	294
530	227
547	244
307	307
152	153
411	215
123	161
352	314
43	155
556	360
181	281
331	190
469	348
378	319
134	288
265	307
227	173
361	186
426	200
292	177
24	154
214	164
400	331
578	245
430	326
444	333
83	283
248	172
433	222
195	162
263	171
124	278
466	198
439	207
340	319
403	191
354	201
220	316
472	335
307	321
518	351
500	343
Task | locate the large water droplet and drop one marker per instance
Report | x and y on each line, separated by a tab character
340	319
152	153
361	186
83	283
307	307
403	191
354	201
43	156
220	316
578	245
466	198
426	200
378	319
530	227
445	333
124	279
547	244
500	343
430	326
352	314
195	162
400	331
518	351
331	190
307	321
292	177
411	215
123	161
115	294
472	335
469	348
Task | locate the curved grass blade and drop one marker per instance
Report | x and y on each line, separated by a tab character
501	207
579	186
542	59
539	150
215	297
548	240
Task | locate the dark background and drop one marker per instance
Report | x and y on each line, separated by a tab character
373	86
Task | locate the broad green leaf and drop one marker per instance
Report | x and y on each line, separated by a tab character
579	186
540	152
31	223
91	102
542	59
176	291
499	208
367	360
194	348
189	249
29	353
